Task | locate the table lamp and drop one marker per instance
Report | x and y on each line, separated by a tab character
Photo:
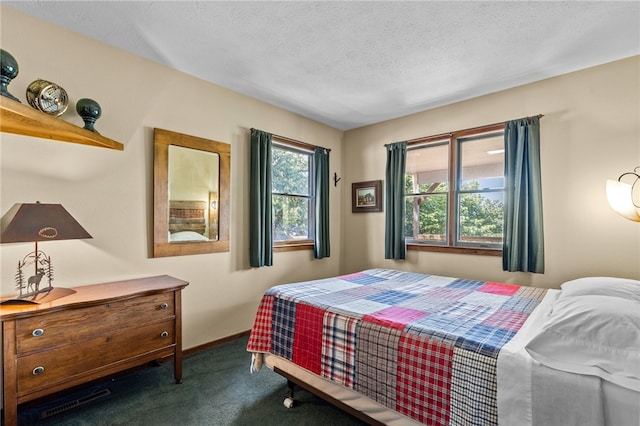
33	222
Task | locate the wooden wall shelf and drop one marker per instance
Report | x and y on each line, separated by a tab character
21	119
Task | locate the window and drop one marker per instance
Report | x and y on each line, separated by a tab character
292	194
455	191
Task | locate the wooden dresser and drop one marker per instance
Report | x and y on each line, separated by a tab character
97	331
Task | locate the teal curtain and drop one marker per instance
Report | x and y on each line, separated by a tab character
523	246
321	247
394	202
260	232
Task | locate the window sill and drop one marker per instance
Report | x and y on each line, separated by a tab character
292	246
456	250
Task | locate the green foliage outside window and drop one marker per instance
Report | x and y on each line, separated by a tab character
480	217
291	194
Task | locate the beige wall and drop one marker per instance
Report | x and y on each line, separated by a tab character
590	133
110	192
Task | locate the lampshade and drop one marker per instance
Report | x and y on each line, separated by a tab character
39	222
620	197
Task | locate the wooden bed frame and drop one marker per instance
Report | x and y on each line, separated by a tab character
292	381
348	400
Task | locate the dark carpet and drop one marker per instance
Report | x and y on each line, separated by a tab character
217	389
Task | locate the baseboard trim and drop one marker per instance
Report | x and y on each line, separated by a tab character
214	343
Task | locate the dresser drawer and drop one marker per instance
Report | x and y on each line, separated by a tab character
45	369
44	332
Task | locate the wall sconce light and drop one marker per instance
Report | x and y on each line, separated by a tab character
32	223
214	205
622	195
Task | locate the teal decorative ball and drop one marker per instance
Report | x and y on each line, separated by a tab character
8	71
90	111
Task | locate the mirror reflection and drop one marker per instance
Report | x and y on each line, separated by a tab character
193	194
191	187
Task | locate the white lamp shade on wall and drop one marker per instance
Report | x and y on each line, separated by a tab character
620	197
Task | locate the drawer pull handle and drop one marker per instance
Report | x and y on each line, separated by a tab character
38	370
164	334
164	305
37	332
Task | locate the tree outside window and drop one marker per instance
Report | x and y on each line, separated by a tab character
292	194
455	191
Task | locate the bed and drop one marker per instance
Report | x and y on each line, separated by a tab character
187	220
397	348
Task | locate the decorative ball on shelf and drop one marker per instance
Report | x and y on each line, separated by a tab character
9	70
90	111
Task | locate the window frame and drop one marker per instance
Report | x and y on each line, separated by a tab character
300	148
454	165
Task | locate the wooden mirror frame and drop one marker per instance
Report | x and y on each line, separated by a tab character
161	245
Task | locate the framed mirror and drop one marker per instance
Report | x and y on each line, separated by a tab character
191	177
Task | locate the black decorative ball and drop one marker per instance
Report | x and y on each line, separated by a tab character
8	70
90	111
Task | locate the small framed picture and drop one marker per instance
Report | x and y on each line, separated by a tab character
366	196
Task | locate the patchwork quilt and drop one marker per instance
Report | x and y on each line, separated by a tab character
423	345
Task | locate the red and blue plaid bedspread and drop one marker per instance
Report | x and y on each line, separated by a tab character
423	345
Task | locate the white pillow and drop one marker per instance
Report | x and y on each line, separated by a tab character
594	335
187	236
603	286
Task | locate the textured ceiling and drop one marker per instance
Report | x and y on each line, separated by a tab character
349	64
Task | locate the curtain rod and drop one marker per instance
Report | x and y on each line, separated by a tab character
294	142
448	134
